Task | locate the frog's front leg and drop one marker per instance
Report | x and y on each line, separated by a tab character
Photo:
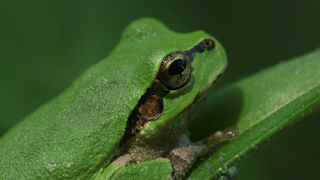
185	153
118	163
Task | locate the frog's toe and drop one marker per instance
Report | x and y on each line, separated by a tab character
229	174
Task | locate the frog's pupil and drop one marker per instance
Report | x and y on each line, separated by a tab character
177	67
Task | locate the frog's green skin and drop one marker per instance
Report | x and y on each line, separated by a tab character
77	134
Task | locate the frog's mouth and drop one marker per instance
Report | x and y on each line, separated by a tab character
174	73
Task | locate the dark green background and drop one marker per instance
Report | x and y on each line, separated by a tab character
45	45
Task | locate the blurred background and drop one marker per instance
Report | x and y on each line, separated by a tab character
45	45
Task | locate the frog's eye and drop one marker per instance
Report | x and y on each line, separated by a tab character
175	71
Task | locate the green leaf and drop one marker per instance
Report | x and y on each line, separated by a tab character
259	106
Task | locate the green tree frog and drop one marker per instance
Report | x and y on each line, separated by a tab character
126	116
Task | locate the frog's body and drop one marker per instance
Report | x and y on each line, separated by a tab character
78	134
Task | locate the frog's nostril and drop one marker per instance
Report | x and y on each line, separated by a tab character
208	44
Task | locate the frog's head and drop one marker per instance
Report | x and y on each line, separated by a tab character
187	65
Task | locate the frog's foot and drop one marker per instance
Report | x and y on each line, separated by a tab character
228	174
185	153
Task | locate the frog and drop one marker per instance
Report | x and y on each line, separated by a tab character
127	116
